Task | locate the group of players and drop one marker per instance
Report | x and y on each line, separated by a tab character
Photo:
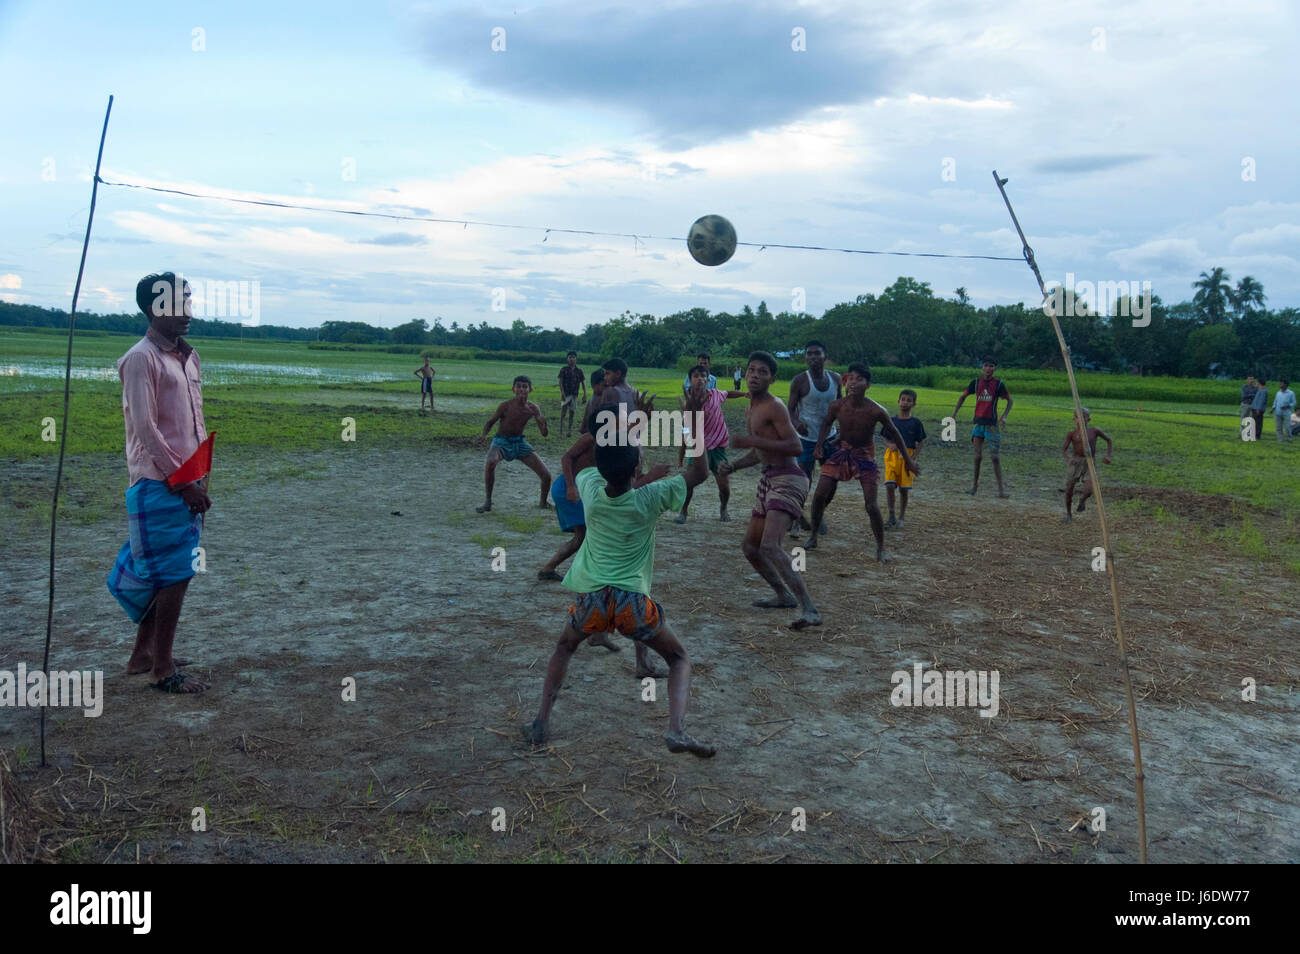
611	505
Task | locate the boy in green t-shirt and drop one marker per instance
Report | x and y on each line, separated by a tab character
611	574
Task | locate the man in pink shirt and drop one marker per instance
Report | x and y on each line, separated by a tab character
700	397
162	403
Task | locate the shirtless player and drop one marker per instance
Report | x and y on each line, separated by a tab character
509	443
781	490
1077	465
854	456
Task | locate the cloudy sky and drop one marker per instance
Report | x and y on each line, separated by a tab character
1143	142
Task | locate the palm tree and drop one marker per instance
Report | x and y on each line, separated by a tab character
1249	293
1213	291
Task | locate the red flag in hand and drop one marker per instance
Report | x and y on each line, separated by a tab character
196	468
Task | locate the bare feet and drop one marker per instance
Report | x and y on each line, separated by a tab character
1066	519
810	617
1002	494
535	733
883	556
548	573
812	543
723	516
485	508
973	490
681	517
786	601
1079	509
681	742
180	684
651	671
545	504
137	667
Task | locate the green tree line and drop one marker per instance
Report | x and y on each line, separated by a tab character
1224	330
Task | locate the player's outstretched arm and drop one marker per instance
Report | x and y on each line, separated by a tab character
1110	446
698	470
785	442
540	418
500	413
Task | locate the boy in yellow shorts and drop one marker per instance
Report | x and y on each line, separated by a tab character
896	475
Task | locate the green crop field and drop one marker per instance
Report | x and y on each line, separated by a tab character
1183	435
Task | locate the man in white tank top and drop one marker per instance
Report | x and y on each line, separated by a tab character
811	394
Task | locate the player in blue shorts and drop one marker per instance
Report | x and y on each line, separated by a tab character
509	443
568	507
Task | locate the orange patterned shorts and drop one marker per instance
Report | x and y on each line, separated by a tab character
634	615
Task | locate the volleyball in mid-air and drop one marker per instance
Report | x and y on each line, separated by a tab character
711	240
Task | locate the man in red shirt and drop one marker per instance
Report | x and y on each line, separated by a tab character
162	403
988	390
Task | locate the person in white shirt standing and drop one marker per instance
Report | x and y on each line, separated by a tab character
811	394
1283	405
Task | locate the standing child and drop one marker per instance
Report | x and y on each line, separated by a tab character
1077	465
782	490
701	397
509	443
571	379
896	475
854	457
611	576
425	373
988	390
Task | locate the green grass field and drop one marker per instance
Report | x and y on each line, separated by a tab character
284	397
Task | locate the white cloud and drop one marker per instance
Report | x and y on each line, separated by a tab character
11	281
1183	255
1269	239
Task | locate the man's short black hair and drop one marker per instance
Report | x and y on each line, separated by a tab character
815	344
598	377
524	378
992	361
859	368
146	295
700	368
617	462
616	364
704	354
766	358
909	392
571	354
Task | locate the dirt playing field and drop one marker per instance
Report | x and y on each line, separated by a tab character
373	565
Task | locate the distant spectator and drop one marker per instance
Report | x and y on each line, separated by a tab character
1283	405
1257	404
1247	397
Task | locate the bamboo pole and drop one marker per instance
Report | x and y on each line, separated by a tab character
1105	532
63	434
